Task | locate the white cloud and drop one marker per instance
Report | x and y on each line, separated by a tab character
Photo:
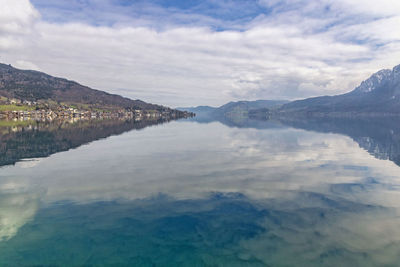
380	8
22	64
15	16
289	54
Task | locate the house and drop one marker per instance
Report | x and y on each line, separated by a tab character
15	101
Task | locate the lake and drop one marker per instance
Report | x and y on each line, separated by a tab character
208	193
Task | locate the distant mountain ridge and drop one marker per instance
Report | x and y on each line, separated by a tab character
241	108
34	85
198	109
378	95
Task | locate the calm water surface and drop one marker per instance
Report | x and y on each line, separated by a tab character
201	194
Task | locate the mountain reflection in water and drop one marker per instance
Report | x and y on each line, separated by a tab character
380	136
34	139
204	194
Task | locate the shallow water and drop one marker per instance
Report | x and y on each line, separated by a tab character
203	194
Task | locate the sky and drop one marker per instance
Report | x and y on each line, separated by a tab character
192	52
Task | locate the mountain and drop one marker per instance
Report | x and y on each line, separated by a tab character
199	110
374	82
243	107
34	86
239	108
378	95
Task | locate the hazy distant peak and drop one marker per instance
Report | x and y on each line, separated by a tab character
374	81
396	73
396	69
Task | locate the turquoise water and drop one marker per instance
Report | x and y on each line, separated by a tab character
205	194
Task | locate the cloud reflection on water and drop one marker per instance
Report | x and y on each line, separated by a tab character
319	197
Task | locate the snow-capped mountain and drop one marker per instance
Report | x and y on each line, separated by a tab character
382	80
379	94
376	80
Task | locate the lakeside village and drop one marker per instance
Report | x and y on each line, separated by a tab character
24	109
